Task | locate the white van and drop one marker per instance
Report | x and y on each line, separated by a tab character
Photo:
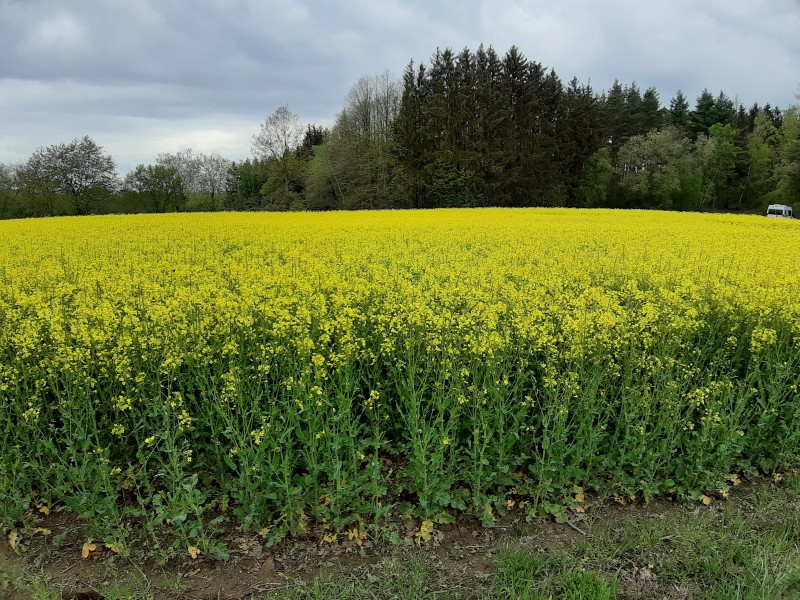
779	210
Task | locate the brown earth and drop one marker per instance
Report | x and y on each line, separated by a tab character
464	553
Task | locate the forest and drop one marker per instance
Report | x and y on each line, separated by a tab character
466	129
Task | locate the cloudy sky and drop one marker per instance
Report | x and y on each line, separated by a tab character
147	76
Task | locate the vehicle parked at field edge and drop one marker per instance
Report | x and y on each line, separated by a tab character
780	210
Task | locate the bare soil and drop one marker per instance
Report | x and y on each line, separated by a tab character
464	554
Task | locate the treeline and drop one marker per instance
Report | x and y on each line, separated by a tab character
467	129
77	178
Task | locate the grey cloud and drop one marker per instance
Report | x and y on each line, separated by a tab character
145	72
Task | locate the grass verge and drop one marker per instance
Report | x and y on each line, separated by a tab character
746	547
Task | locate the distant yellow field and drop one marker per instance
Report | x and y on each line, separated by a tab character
169	289
206	334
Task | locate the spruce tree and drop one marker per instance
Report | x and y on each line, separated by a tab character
679	115
704	114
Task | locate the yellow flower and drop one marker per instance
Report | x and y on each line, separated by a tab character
122	403
115	548
317	309
357	535
184	419
762	338
425	532
88	547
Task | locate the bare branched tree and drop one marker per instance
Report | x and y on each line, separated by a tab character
371	107
214	171
186	164
278	136
360	158
9	188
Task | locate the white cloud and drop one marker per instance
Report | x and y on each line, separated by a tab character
223	134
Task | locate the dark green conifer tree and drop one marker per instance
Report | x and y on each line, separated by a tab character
679	115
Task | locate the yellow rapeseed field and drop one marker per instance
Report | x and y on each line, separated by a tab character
309	368
167	289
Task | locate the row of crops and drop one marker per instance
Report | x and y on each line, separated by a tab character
178	374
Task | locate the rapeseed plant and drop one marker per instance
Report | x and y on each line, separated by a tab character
326	366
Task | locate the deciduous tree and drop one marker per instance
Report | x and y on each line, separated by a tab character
186	164
85	173
78	170
159	187
787	167
279	135
9	189
213	176
762	153
660	168
362	159
717	154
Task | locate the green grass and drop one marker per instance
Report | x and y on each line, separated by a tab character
17	583
744	549
747	550
404	580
